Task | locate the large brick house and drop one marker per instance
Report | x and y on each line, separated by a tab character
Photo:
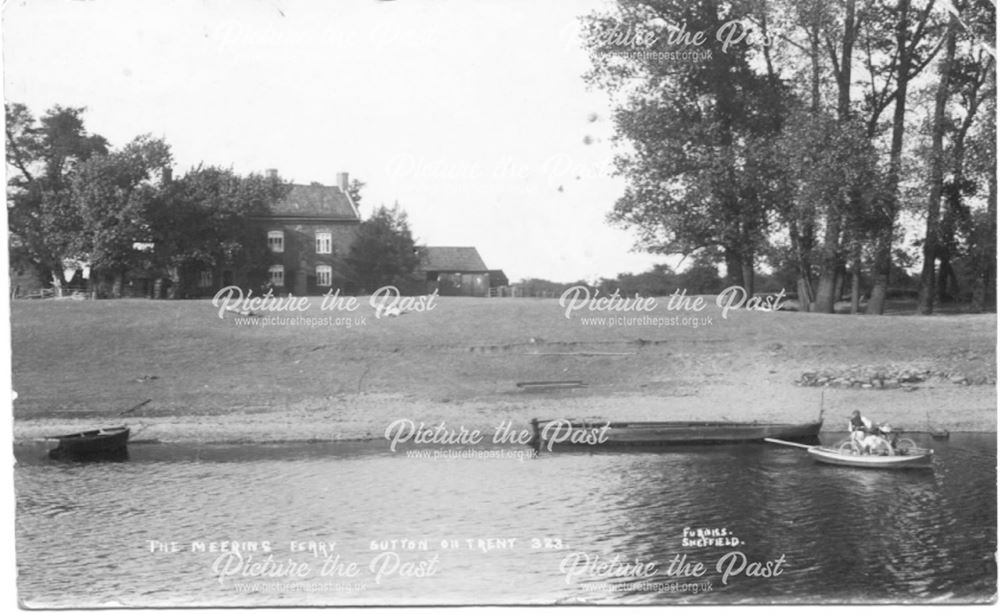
309	233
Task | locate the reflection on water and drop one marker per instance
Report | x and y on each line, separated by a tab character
84	531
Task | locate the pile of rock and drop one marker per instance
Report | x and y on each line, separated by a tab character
883	377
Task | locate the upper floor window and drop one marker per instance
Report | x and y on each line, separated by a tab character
276	241
277	273
324	275
324	243
205	279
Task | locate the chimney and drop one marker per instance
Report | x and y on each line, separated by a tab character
342	181
272	173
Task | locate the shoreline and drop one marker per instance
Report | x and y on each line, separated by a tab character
365	417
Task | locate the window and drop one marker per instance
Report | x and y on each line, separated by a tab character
277	272
205	279
276	241
324	275
324	243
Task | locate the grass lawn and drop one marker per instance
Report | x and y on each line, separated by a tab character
85	359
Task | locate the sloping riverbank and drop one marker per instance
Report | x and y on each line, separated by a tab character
78	363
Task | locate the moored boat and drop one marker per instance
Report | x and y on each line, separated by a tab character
939	434
96	443
562	433
914	458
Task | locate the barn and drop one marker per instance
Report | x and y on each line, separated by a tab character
454	271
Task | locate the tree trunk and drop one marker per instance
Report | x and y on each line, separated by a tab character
173	287
748	277
880	275
805	294
814	53
829	262
883	240
804	284
855	290
831	259
118	285
947	282
846	63
734	268
990	274
856	278
925	300
57	283
838	286
984	292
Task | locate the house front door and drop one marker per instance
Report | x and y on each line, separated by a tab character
300	281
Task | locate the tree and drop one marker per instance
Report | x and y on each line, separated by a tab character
700	173
110	196
205	220
935	171
983	232
904	56
831	183
354	191
964	77
41	155
384	251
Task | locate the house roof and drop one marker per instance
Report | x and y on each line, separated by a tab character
316	201
455	259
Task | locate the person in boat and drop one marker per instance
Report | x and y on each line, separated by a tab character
867	438
859	427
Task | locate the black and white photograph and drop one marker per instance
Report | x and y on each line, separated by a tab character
501	302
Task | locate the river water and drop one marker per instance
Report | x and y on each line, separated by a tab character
355	523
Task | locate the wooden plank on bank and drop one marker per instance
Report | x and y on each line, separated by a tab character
581	354
550	385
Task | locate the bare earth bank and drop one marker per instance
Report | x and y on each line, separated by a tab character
76	364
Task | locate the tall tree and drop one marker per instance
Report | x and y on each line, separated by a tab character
384	251
894	62
110	195
699	171
935	171
41	155
971	76
831	179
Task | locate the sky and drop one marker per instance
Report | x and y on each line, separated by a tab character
472	116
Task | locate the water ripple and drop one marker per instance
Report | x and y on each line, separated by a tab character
846	535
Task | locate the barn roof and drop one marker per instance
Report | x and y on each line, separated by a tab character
454	259
498	278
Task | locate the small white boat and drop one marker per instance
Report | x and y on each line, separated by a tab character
908	458
915	458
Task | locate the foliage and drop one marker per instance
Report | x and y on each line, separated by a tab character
699	171
41	157
780	145
110	195
384	251
205	219
354	191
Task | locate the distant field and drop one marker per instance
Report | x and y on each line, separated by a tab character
80	358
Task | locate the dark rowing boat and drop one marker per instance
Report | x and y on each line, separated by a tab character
110	442
553	434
